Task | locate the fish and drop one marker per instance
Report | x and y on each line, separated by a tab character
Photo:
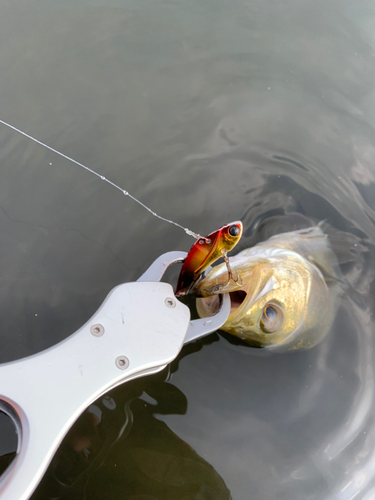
287	295
206	251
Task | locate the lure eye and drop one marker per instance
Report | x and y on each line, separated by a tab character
234	230
272	318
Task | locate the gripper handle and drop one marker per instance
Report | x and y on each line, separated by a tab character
139	328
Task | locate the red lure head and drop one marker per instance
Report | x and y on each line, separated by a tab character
205	252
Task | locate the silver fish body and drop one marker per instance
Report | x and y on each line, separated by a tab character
287	293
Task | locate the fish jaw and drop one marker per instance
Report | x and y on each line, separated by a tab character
205	252
256	280
285	280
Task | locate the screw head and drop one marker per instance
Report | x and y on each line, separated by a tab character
169	302
97	330
122	362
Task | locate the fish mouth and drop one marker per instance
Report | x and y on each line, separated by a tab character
209	306
256	282
237	297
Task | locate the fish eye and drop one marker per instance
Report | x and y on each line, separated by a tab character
272	318
234	230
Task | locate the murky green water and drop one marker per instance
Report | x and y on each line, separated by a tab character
209	112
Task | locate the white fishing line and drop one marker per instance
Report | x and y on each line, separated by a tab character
126	193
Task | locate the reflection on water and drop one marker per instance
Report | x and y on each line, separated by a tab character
119	448
260	111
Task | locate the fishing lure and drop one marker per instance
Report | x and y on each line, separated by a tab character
205	252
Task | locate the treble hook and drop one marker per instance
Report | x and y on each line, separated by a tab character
237	279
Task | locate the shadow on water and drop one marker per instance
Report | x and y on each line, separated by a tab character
120	448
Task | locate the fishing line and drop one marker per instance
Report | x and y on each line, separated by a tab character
126	193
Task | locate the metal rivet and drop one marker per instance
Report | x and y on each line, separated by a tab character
169	302
97	330
122	362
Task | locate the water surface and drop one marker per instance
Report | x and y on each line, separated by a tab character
209	112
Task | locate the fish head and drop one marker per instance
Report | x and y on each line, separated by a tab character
205	252
281	303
